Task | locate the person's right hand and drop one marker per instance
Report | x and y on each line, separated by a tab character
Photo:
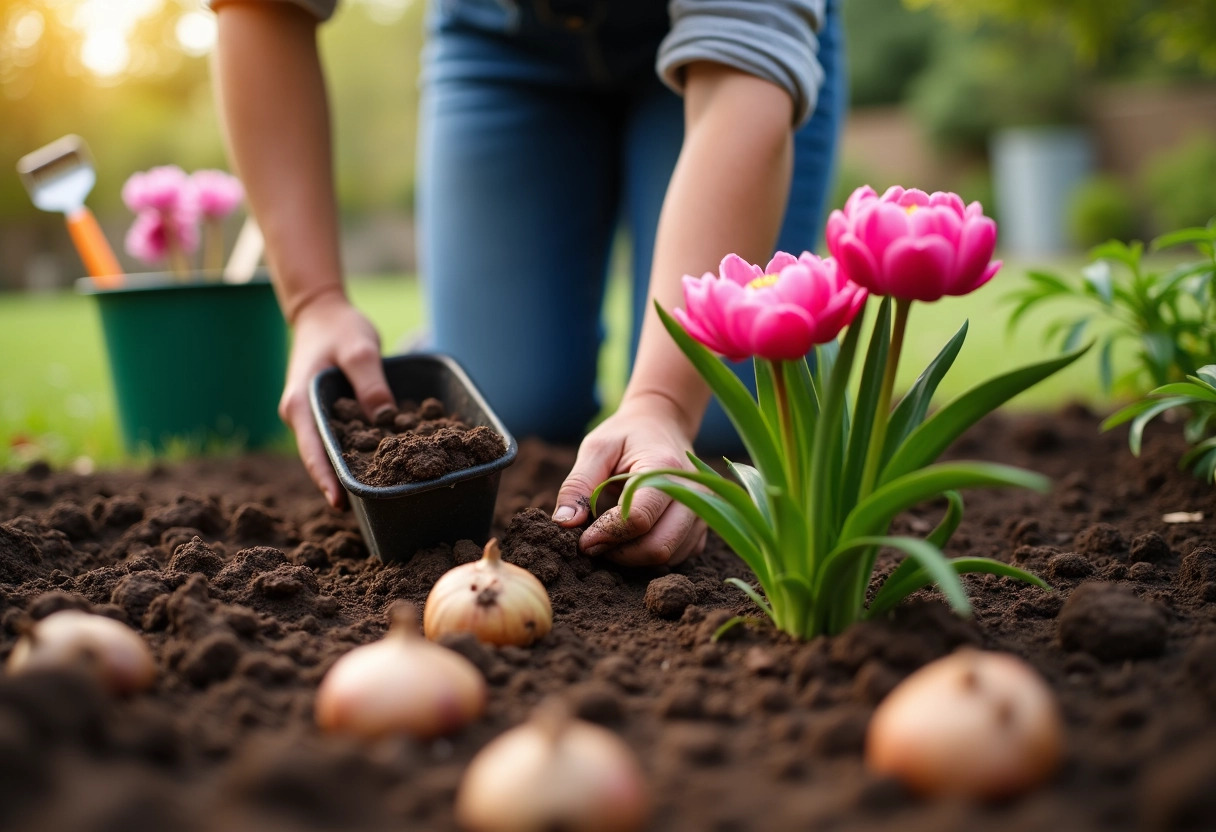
327	332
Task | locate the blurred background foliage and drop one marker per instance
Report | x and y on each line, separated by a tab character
932	82
132	77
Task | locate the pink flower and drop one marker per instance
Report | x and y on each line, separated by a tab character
152	234
219	193
777	313
167	189
912	245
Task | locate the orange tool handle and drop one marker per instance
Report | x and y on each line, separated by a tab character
94	250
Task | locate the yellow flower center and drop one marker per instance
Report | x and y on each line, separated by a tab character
912	208
763	281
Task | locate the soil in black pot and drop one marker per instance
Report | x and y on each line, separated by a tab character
411	442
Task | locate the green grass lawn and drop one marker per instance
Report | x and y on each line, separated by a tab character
56	402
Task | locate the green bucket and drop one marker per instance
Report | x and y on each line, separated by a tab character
196	364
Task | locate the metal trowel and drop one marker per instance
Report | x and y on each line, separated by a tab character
58	178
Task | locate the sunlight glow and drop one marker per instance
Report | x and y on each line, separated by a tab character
107	26
27	29
196	33
105	52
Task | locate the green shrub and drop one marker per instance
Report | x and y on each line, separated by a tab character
990	80
1181	184
1101	209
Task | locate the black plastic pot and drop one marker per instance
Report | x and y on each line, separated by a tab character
398	520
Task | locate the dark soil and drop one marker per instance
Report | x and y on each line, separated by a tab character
410	443
247	588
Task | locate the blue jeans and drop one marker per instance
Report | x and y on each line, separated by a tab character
544	131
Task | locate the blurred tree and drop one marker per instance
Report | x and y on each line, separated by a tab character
1177	30
993	78
889	45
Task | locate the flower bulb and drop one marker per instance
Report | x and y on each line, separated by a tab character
498	602
400	684
118	655
977	724
554	772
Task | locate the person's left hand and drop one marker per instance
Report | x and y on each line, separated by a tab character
642	435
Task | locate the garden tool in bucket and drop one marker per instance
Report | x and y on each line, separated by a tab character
58	177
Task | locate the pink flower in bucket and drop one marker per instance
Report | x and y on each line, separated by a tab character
778	313
219	193
153	236
169	205
911	245
166	189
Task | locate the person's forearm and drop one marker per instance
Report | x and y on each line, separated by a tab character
276	122
727	194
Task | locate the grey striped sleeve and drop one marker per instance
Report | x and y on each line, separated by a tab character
320	9
771	39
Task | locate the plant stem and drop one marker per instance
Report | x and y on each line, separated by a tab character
177	258
213	252
878	433
793	457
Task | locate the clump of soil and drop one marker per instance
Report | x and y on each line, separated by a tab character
410	442
247	587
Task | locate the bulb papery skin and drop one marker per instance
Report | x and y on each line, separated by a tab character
584	779
115	653
974	724
498	602
401	684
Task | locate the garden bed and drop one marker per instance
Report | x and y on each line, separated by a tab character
753	732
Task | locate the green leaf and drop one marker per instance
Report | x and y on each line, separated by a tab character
1159	350
1026	304
1135	435
828	439
1207	373
735	398
595	495
941	535
937	433
911	410
750	592
873	514
720	516
868	391
730	493
1049	283
900	584
799	606
1190	390
1098	277
755	486
800	388
1105	367
1184	236
1073	338
1126	414
1202	460
930	559
1119	251
766	398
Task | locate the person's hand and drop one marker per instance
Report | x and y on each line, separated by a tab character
642	435
330	332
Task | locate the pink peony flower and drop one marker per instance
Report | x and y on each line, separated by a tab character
167	189
152	235
912	245
146	238
777	313
219	193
